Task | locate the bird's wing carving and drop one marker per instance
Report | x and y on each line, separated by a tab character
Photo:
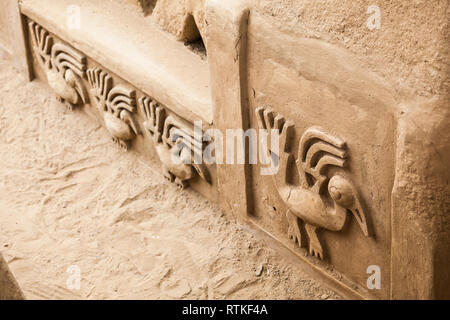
318	150
101	83
154	115
177	133
42	43
64	58
121	97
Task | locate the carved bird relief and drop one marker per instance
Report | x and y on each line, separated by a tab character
64	67
117	104
175	145
321	200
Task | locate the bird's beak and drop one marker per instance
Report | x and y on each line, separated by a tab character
360	216
345	196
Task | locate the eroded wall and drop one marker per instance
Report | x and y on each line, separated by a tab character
4	23
409	49
311	70
373	101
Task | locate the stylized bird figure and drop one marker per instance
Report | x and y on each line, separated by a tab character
64	67
117	105
319	201
175	144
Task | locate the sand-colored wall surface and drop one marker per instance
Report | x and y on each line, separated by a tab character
409	50
70	200
4	36
358	90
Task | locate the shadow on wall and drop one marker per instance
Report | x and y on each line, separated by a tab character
192	37
146	6
9	288
185	19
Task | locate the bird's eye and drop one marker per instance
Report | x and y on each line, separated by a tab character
341	191
334	193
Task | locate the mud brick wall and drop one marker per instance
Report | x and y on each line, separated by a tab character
359	90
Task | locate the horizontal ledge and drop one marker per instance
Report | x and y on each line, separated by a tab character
135	49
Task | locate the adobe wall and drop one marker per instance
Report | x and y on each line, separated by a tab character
410	50
363	114
12	35
312	71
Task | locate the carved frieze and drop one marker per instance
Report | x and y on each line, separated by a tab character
178	148
323	198
117	104
176	144
64	67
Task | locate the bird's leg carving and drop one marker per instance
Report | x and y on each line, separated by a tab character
181	183
294	231
123	144
315	248
68	105
168	175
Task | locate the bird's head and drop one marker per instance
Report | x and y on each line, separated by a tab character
344	195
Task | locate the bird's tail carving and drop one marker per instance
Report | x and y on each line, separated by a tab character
121	97
317	150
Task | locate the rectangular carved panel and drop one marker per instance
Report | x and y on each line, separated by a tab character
132	118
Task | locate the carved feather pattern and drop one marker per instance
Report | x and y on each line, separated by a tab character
173	133
42	43
114	98
101	83
317	150
64	57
